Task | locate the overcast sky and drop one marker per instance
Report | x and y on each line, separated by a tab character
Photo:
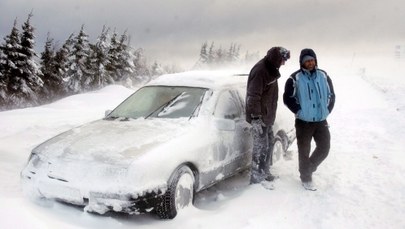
173	30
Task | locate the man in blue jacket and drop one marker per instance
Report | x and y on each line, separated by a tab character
309	94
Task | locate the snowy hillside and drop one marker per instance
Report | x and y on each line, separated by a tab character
360	185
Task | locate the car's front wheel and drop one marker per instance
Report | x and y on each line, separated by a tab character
180	193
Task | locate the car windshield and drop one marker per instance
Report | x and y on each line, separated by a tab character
160	102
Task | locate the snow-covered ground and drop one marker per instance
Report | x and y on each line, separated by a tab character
360	185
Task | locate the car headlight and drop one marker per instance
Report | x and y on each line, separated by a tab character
32	155
31	167
34	160
36	156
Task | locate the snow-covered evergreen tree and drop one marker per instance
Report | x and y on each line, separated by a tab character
113	62
207	56
120	58
62	64
211	54
232	56
125	57
19	67
30	84
77	73
8	64
141	69
214	58
76	67
3	82
99	60
204	53
46	68
53	83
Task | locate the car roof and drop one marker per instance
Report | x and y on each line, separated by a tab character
203	79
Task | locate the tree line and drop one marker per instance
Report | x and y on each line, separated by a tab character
212	57
30	79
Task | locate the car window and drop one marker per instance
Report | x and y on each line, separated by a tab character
228	106
161	102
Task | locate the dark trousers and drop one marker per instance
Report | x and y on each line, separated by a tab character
305	131
262	155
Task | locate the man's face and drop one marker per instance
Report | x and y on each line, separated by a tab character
309	64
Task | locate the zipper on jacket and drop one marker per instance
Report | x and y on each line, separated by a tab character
319	89
309	91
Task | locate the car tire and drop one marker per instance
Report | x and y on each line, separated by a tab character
180	193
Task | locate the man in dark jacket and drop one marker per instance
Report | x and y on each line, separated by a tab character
309	94
261	106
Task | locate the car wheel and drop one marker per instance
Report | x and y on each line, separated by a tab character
278	149
180	193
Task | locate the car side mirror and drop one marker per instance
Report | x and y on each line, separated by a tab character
225	124
107	112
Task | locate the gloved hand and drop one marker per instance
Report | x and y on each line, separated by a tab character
257	125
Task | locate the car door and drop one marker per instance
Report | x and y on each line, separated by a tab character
234	137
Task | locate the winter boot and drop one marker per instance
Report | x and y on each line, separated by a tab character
270	177
309	185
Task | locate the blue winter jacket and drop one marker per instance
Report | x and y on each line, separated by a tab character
309	95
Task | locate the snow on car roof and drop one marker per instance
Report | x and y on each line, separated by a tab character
205	79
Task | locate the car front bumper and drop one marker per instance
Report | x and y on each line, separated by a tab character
37	186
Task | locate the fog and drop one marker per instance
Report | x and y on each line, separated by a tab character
173	31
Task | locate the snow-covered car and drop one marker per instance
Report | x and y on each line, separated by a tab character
175	136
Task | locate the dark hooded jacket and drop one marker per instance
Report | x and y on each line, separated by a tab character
309	94
262	88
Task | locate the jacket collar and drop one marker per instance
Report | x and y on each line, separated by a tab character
310	74
271	68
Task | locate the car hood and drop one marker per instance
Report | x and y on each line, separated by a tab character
113	142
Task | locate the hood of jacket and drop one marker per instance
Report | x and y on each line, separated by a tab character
274	57
308	52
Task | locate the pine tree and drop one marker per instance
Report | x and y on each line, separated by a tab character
112	57
3	82
31	84
78	64
204	54
19	68
211	54
53	83
232	56
141	70
125	63
207	56
47	57
218	57
8	64
62	64
120	58
99	60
